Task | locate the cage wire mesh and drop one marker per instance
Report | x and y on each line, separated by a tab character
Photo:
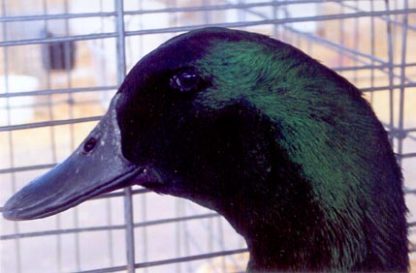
60	63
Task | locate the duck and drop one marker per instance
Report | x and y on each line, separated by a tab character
287	150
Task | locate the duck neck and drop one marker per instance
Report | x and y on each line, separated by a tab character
286	238
267	255
296	243
279	254
287	229
282	237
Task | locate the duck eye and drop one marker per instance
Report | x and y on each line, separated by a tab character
90	144
185	81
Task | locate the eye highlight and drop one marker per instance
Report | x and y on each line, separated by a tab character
185	81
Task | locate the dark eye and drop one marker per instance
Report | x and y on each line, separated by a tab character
185	81
90	144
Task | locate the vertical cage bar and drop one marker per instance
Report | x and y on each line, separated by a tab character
341	37
144	230
285	9
220	231
50	106
143	197
207	14
53	146
275	17
372	50
356	44
177	202
108	203
178	233
71	102
390	62
401	135
121	73
16	228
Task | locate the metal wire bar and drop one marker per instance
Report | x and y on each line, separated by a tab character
372	50
108	201
118	194
402	80
103	228
387	87
26	168
222	7
178	234
170	261
69	78
406	155
177	203
59	16
72	38
58	102
350	52
356	43
371	67
48	123
143	197
412	224
228	6
390	55
384	18
338	46
146	11
121	73
53	146
44	92
112	195
187	28
16	228
410	191
144	238
271	21
341	41
210	228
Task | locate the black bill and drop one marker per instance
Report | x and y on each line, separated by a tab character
96	166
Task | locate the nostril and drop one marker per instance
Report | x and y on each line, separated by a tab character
90	144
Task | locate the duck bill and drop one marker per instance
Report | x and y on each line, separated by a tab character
96	167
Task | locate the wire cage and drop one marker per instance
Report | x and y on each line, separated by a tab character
60	63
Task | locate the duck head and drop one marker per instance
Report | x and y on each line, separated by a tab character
287	150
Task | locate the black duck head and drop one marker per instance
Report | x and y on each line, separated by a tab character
287	150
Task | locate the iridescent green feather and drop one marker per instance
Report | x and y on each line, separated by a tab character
326	128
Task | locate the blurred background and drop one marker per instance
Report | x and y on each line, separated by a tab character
60	63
